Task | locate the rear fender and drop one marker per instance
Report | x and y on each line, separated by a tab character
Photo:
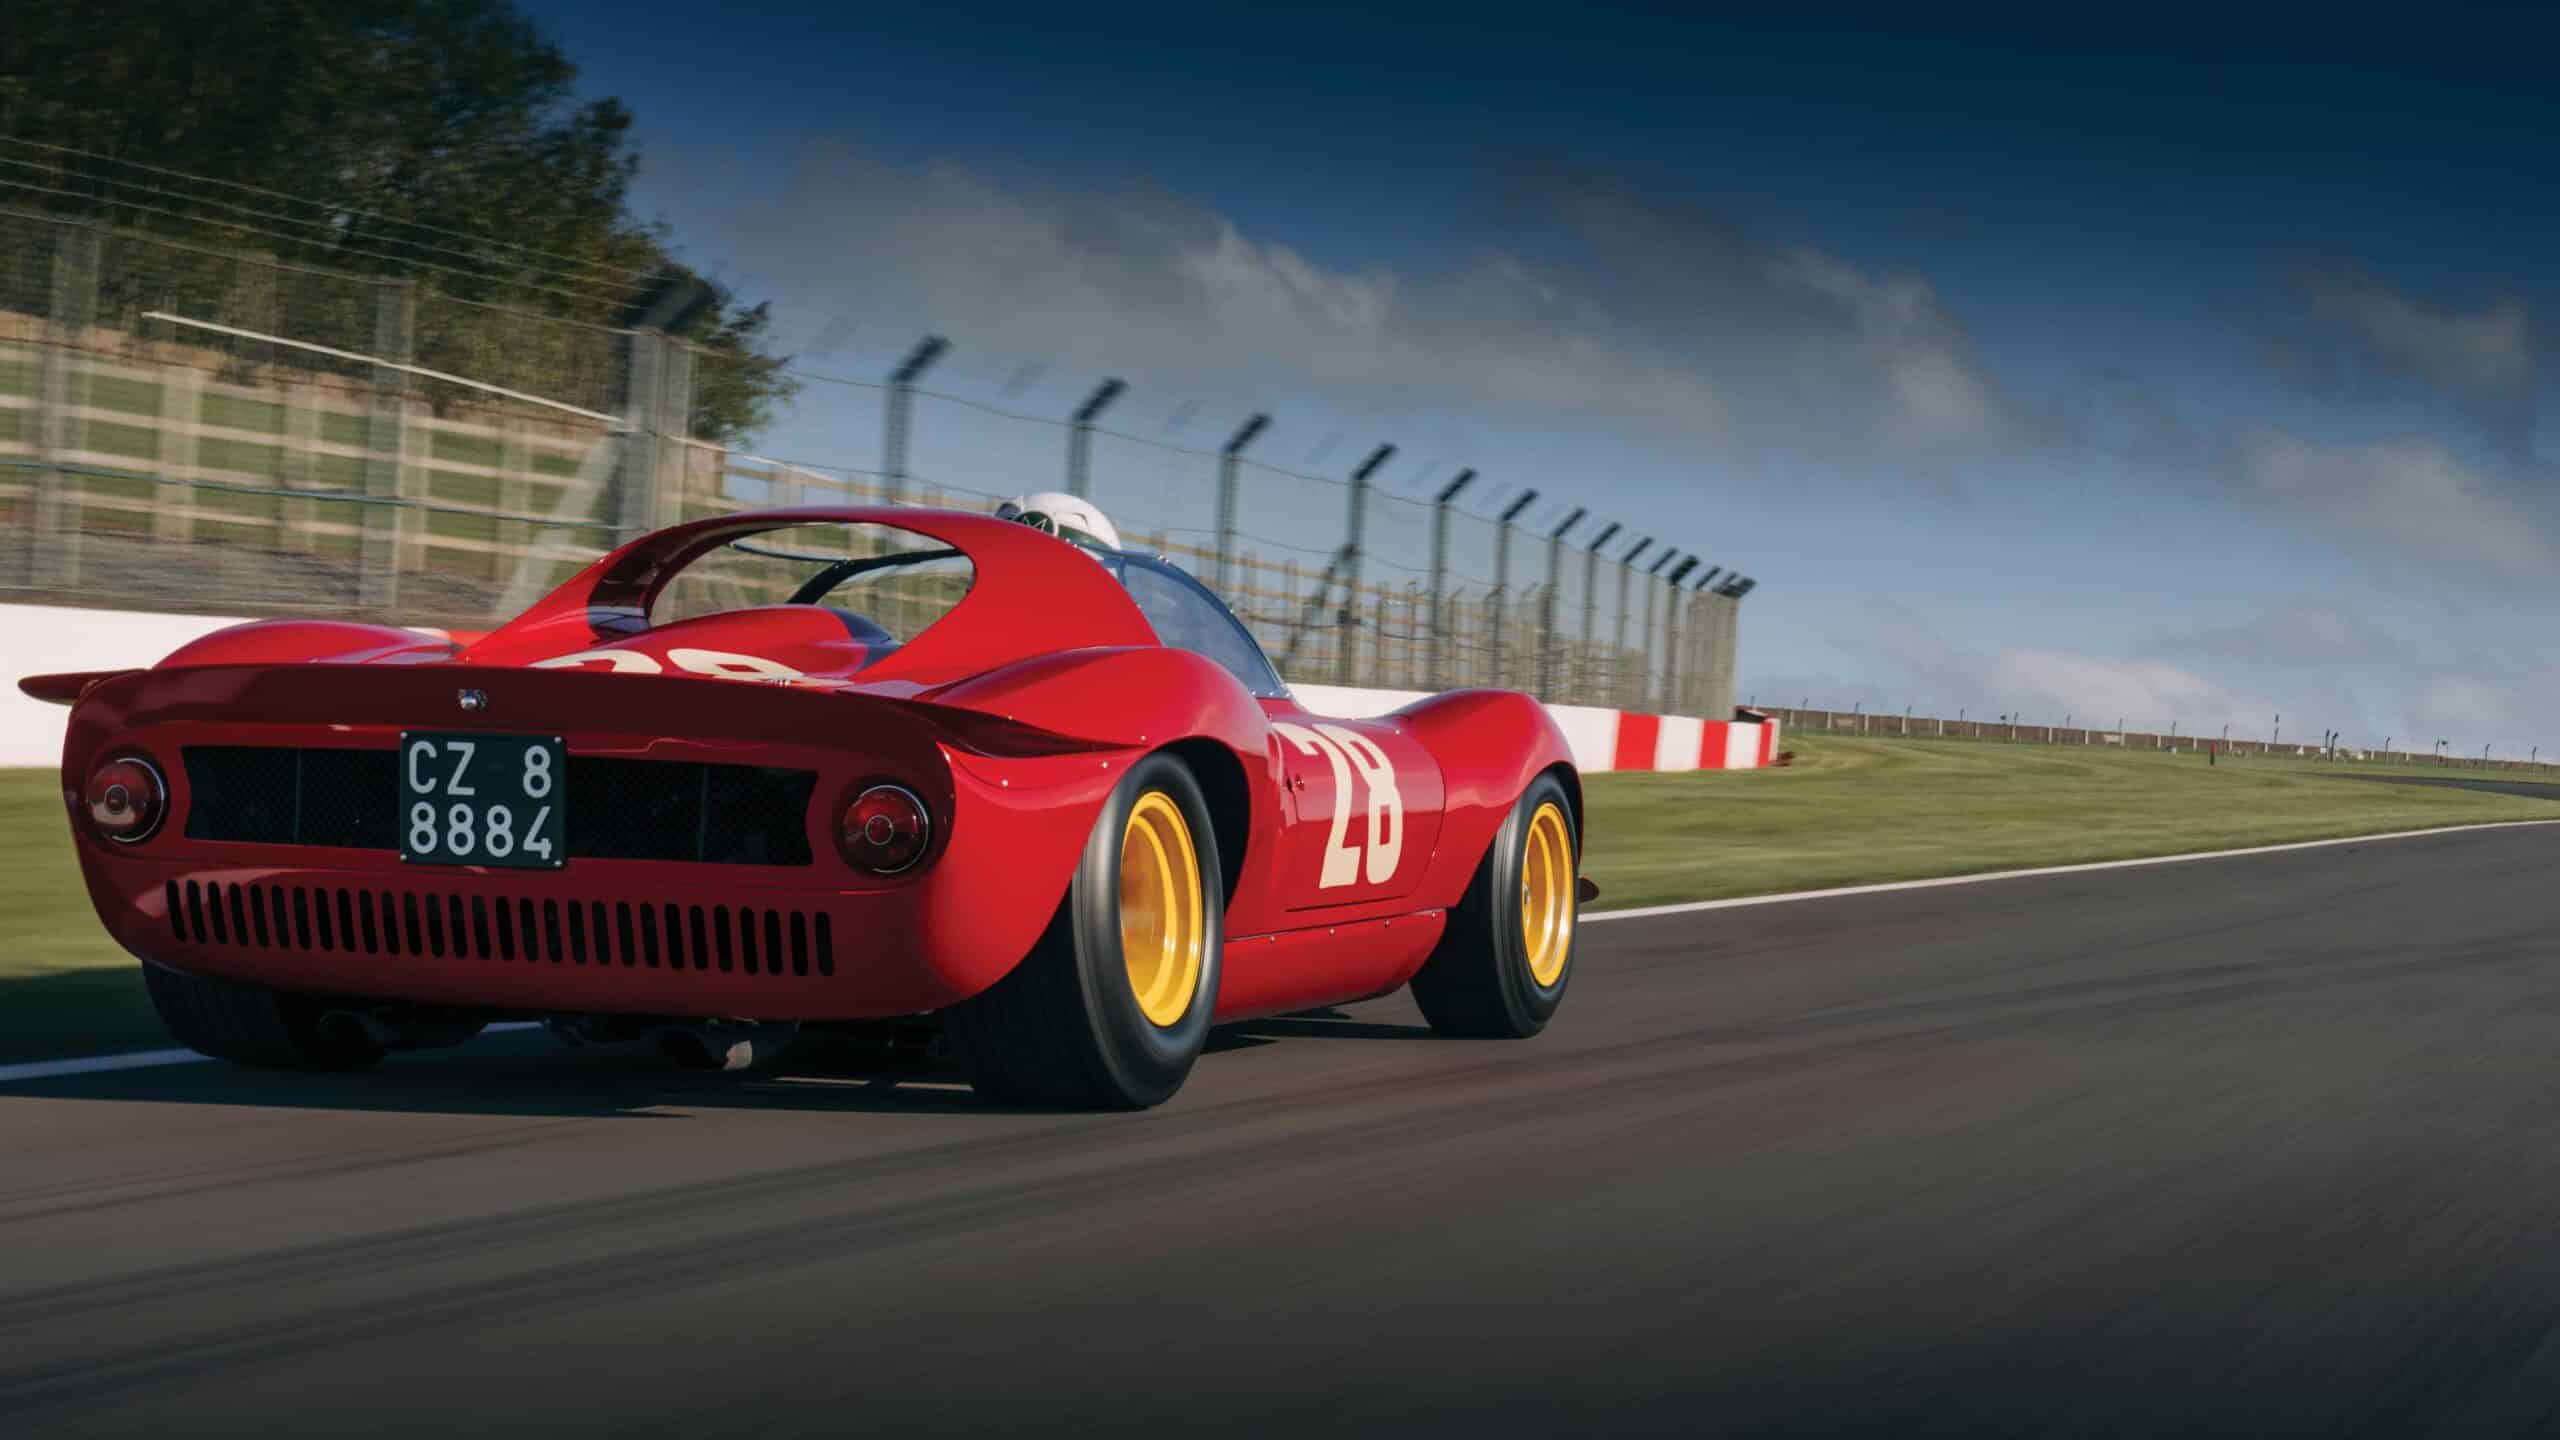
1490	745
336	642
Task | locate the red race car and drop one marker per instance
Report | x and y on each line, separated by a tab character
1052	794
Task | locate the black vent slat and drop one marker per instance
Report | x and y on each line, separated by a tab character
416	924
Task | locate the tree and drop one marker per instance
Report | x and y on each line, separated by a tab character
439	139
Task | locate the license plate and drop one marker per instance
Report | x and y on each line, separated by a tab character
484	800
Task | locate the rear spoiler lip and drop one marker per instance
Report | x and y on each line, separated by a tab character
67	687
976	731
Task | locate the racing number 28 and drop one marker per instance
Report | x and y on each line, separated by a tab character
1345	751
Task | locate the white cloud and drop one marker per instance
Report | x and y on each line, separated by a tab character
1664	322
2410	495
2363	342
2098	689
2490	348
2316	662
1146	286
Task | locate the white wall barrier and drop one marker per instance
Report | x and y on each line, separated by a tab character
44	639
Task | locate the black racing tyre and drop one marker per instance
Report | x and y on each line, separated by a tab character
251	1024
1113	1003
1500	969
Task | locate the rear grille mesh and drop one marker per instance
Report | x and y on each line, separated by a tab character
618	809
643	934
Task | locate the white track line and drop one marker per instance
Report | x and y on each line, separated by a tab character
146	1059
1690	906
151	1059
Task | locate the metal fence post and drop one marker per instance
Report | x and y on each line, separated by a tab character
1547	605
1729	625
1502	598
1621	686
901	404
387	522
1698	667
1347	618
1080	436
1671	635
1229	464
1645	686
1584	689
658	416
1439	660
72	307
676	360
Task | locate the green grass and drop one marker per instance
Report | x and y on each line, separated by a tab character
65	988
1853	811
1849	811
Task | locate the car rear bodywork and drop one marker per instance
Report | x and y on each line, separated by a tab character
708	763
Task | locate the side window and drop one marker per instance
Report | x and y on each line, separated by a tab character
1188	617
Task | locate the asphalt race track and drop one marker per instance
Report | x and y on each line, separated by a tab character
2262	1145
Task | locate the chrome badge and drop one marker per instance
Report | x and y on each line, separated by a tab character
472	699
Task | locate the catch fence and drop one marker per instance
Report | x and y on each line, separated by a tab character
2012	730
189	428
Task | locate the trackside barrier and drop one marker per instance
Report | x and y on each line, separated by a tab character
41	639
1602	739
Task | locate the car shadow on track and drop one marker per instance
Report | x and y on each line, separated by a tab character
529	1074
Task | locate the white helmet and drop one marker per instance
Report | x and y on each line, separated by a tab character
1069	517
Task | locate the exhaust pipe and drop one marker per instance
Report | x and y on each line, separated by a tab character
716	1046
365	1029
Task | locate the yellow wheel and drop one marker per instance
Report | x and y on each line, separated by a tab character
1113	1003
1506	952
1546	894
1162	925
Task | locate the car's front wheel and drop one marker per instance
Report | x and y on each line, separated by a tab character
1111	1007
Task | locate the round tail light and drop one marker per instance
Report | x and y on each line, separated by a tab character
885	829
125	800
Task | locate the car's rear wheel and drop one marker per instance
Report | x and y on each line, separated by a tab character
1500	969
1112	1005
253	1025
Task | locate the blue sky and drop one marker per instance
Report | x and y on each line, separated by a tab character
2184	367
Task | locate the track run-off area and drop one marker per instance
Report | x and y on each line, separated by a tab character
2252	1144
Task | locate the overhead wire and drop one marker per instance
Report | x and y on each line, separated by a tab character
316	204
334	237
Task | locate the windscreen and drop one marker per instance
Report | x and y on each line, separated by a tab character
897	580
